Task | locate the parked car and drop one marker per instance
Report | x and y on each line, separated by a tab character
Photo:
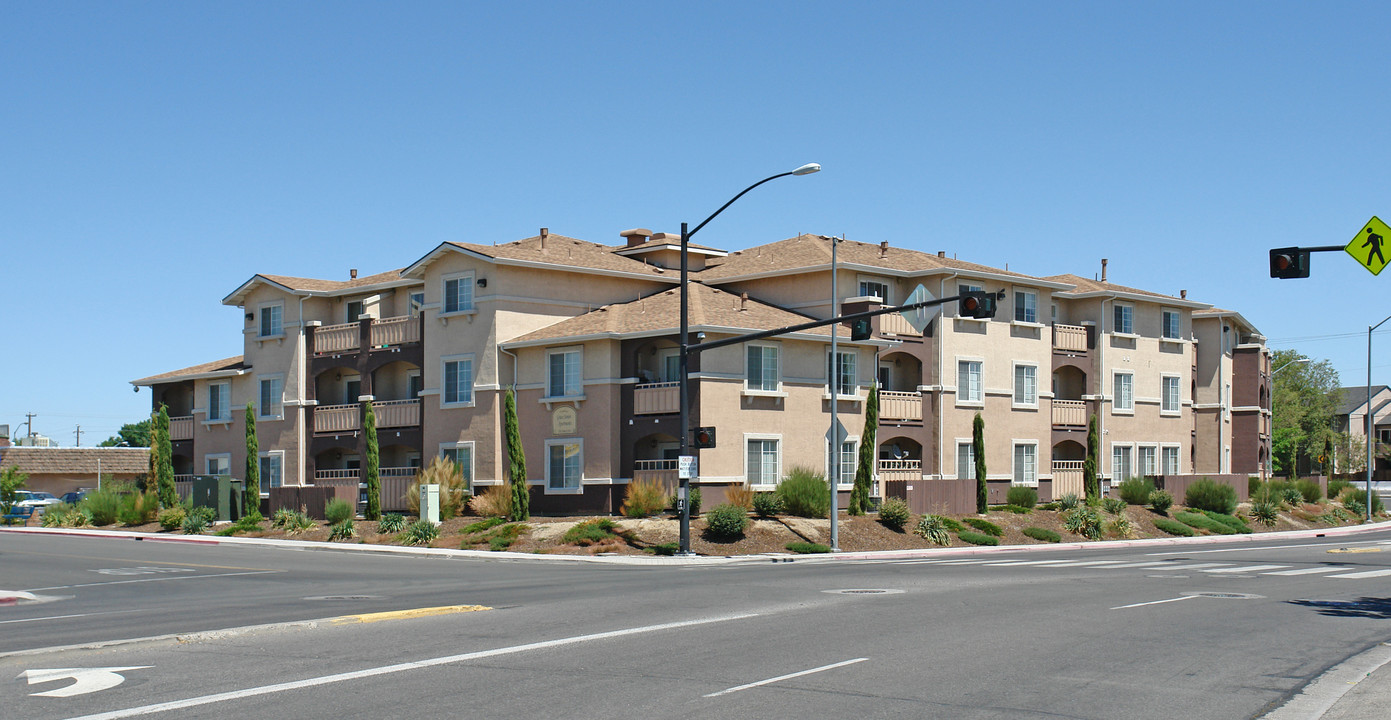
36	499
74	498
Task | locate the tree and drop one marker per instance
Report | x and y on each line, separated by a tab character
859	494
1350	454
1304	400
136	434
371	472
163	453
251	492
516	459
978	447
11	480
1091	484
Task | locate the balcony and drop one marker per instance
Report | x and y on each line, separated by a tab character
1067	477
181	428
895	324
330	419
1070	413
336	418
892	470
657	398
355	474
900	405
662	471
1069	338
397	413
347	337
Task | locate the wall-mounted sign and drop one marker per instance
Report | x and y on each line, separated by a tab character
565	421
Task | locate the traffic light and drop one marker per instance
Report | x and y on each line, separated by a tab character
861	329
705	438
1290	262
977	304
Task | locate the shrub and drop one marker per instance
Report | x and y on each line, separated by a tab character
1266	512
420	532
391	523
1016	509
1136	490
105	504
977	538
342	530
1173	527
1121	526
1309	490
1335	487
1068	501
280	518
1113	505
1208	495
1292	496
727	521
1335	516
195	521
138	508
483	525
985	526
933	529
644	498
1025	497
1161	501
454	489
1230	521
739	495
56	516
767	504
1360	497
666	548
1355	507
495	501
894	513
293	521
952	524
1203	522
1253	485
337	510
805	493
807	548
1084	521
503	537
589	532
1042	534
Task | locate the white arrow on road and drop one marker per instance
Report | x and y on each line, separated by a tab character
86	680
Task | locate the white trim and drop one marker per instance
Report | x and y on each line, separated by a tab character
472	456
956	458
221	456
854	441
1014	383
444	361
1178	412
971	402
266	454
546	479
1130	332
444	294
1015	307
777	369
261	415
223	419
744	458
579	379
261	309
1179	313
1014	445
1115	408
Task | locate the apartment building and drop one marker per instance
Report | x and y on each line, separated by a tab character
587	334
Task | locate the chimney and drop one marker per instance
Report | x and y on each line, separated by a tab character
544	233
1103	269
941	253
1183	294
352	274
884	249
636	236
743	302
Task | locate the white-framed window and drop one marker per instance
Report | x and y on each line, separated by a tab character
271	398
1123	392
965	460
844	373
272	320
1123	318
1171	327
1169	456
762	460
218	464
563	378
1025	306
417	303
564	465
458	292
1026	464
272	468
457	375
219	402
1146	465
1026	385
1169	401
968	382
875	287
461	454
1121	467
761	371
848	459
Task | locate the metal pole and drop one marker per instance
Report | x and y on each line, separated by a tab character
685	430
835	403
1370	428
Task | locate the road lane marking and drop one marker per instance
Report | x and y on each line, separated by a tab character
1156	602
1311	571
1191	566
85	680
1263	548
65	617
406	614
1080	563
399	667
1012	563
1152	563
788	676
1363	574
1246	568
158	579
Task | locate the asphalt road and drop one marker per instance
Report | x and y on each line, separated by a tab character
1211	631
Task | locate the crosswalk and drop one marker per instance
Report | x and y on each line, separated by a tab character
1341	572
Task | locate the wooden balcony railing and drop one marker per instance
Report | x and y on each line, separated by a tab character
1072	413
395	331
336	418
181	428
335	338
1068	478
891	470
1069	337
661	471
895	324
356	473
657	398
397	413
900	405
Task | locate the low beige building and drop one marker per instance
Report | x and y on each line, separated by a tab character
62	470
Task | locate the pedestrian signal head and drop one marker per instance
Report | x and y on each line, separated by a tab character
705	437
977	304
1291	262
861	329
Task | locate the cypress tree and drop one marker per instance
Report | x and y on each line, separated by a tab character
859	494
516	459
1091	485
371	472
164	461
251	492
978	447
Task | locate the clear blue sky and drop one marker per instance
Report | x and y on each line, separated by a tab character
154	156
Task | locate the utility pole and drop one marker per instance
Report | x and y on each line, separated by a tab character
77	435
29	423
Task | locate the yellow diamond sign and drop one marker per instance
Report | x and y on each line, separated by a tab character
1369	246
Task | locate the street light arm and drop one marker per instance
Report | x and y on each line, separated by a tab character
804	170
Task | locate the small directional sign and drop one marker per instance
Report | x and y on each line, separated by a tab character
1368	247
920	317
85	680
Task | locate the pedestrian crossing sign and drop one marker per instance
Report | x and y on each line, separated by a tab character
1368	248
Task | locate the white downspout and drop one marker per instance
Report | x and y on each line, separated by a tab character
300	398
1102	340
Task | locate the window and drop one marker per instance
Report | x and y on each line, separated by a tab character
355	310
458	293
1120	462
1123	318
272	464
564	463
414	384
968	381
219	408
1169	402
965	461
1026	385
671	366
460	454
762	461
1026	464
1170	321
458	381
218	464
1025	306
1170	457
564	373
844	373
761	368
352	389
271	322
847	463
875	288
272	396
1123	392
1147	466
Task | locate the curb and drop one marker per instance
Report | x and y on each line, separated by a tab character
703	560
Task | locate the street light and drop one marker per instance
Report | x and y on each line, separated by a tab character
1369	415
685	482
1296	361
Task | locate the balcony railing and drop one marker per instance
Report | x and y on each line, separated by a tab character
397	413
395	331
181	428
900	405
891	470
385	332
336	338
657	398
336	418
1072	413
661	471
1067	477
356	473
895	324
1069	337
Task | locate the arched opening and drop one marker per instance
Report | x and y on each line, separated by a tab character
1069	383
900	372
900	458
654	459
657	361
1069	457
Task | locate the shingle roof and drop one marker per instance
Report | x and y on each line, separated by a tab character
565	252
216	366
813	251
1355	397
76	461
1085	285
709	307
314	285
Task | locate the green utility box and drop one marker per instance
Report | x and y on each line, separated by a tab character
222	493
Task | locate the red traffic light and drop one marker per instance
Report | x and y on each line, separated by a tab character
705	437
1291	262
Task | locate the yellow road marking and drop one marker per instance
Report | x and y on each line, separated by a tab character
405	614
1355	550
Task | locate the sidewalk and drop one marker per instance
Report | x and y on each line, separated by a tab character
1369	699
